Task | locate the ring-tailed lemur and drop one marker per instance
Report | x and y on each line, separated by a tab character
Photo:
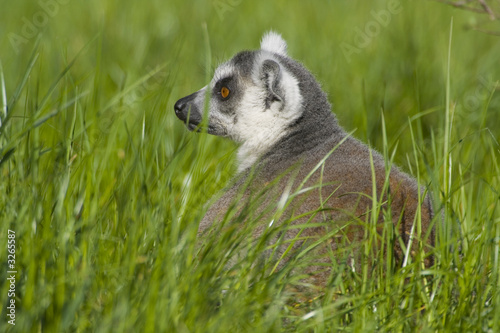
277	111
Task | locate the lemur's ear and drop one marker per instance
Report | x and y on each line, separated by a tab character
273	42
270	74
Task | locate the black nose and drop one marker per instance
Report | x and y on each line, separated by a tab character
184	106
179	106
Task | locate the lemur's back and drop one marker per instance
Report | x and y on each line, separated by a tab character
348	174
346	199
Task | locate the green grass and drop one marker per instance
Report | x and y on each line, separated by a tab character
104	187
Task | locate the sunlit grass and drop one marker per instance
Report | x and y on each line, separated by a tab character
105	188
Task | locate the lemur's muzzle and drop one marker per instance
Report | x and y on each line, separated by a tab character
187	111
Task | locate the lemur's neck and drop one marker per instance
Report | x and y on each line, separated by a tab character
252	150
302	136
307	135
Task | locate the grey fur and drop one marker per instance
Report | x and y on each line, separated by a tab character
303	143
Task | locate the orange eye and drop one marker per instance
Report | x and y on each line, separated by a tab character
224	92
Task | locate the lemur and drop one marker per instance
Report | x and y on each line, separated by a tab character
277	111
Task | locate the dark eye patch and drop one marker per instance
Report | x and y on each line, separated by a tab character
227	82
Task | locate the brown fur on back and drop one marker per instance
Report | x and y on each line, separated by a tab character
347	173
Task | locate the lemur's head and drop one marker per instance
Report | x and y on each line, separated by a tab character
253	99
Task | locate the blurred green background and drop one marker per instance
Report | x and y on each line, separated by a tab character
400	67
104	186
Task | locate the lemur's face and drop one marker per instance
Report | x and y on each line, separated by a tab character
221	99
251	98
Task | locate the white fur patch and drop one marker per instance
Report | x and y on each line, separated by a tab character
259	129
224	70
273	42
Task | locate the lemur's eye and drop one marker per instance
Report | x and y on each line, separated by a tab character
224	92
